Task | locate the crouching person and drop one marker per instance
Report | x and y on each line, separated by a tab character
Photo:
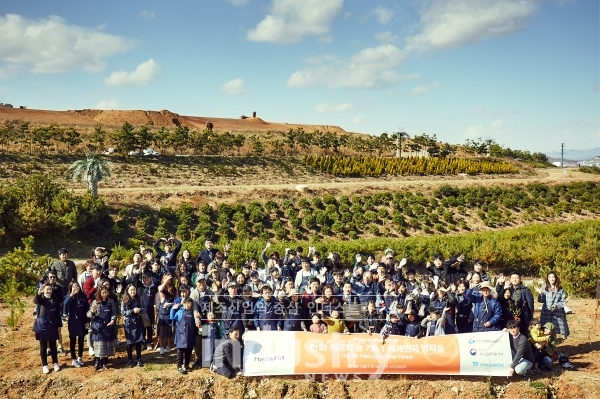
227	357
521	350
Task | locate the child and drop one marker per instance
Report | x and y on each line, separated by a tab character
413	329
434	323
318	326
538	342
185	333
211	332
334	323
392	327
549	353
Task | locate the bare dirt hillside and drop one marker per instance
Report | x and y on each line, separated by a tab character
21	375
94	117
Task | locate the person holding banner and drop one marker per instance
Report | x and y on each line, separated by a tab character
521	350
487	312
371	320
227	359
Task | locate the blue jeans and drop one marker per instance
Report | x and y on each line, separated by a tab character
523	367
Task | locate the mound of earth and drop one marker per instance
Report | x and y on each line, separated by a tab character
116	117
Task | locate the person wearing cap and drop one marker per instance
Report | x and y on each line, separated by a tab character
487	312
65	270
231	303
306	274
294	312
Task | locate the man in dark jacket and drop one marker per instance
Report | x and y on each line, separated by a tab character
209	254
169	253
524	300
65	270
227	357
521	350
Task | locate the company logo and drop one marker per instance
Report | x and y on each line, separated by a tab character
475	364
473	351
268	348
471	341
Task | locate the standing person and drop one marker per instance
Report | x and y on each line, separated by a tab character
294	317
147	292
57	291
65	270
103	314
131	309
47	324
554	300
521	350
166	298
371	321
190	264
478	267
75	307
227	358
90	288
85	273
522	298
169	253
486	310
232	304
100	256
267	312
185	333
209	253
463	307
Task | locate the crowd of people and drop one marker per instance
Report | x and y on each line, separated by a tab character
203	306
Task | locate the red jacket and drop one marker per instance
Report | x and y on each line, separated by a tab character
89	289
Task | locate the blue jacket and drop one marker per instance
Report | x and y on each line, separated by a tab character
268	315
367	293
232	313
185	329
76	308
482	313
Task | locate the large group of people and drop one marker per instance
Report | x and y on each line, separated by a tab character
203	306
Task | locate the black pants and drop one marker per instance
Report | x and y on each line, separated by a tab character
43	352
79	346
149	331
184	355
138	351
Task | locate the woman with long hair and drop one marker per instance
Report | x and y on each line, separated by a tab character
75	307
166	298
554	300
47	324
103	315
131	309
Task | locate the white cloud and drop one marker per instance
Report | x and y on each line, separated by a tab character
497	124
383	14
238	2
147	15
357	119
329	108
235	87
145	73
52	46
386	37
473	131
424	89
107	104
374	67
450	24
290	20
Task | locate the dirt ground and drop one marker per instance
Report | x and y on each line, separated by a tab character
21	376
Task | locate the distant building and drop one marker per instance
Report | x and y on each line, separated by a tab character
6	105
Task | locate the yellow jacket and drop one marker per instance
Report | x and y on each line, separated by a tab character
335	325
537	336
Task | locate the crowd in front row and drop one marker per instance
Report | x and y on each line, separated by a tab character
203	306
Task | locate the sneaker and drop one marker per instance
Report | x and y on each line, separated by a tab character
56	367
91	351
140	363
213	368
168	349
61	351
162	350
182	370
130	364
149	347
105	365
80	361
45	370
75	363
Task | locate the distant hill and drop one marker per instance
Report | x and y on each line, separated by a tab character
576	155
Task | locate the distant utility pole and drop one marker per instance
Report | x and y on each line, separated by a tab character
562	154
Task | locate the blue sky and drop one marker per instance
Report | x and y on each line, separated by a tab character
524	72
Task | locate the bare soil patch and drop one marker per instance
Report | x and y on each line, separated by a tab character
21	376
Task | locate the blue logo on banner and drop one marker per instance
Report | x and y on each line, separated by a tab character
471	341
475	364
473	352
